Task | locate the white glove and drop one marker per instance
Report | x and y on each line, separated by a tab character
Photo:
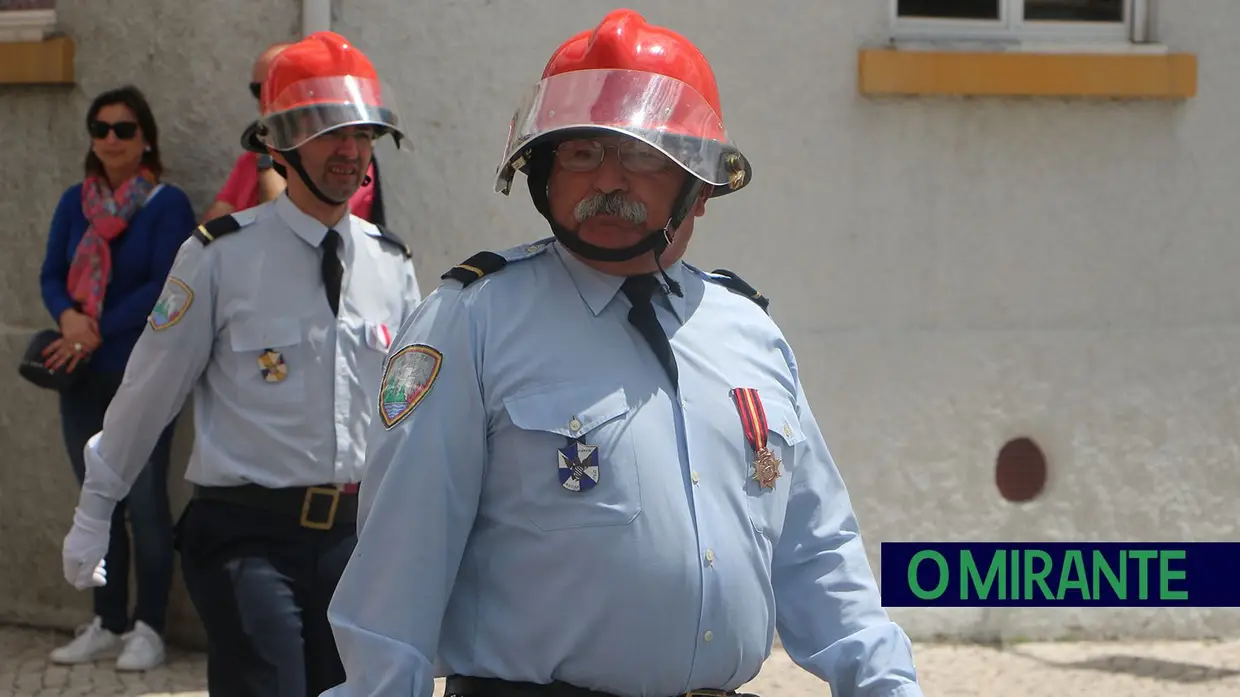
84	549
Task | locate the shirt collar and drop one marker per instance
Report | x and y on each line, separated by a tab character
598	288
306	227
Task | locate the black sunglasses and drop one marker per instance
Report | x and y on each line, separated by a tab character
125	130
256	89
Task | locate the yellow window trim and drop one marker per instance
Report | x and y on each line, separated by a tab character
47	62
893	71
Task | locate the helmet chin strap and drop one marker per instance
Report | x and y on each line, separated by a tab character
294	160
656	241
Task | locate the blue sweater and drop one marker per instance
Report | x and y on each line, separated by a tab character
141	257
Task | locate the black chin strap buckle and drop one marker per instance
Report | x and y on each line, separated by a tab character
661	246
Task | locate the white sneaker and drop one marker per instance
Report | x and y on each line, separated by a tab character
144	649
91	642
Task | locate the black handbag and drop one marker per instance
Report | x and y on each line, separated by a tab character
34	371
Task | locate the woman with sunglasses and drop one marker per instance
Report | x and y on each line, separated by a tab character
113	238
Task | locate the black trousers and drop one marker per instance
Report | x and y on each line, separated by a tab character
261	584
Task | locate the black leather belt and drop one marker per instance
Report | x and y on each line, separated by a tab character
465	686
314	507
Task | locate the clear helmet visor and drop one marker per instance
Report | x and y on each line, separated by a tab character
661	111
309	108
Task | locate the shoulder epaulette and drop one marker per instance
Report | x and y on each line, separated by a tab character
386	236
486	263
216	228
736	284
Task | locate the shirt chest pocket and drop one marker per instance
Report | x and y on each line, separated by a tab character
575	457
268	364
768	504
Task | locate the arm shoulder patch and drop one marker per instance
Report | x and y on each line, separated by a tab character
216	228
389	238
736	284
486	263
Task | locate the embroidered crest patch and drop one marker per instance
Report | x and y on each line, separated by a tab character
171	306
406	380
578	466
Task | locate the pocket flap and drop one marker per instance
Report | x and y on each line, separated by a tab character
256	335
782	420
569	410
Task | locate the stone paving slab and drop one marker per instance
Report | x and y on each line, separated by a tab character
1171	669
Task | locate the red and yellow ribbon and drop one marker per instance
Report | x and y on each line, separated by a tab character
753	420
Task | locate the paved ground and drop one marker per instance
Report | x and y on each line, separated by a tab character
1179	669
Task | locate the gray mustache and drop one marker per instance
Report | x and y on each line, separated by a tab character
610	204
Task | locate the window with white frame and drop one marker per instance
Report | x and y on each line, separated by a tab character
1053	20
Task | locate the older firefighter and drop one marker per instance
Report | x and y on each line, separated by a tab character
594	468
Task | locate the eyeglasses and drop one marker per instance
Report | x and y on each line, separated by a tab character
256	89
585	155
359	133
125	130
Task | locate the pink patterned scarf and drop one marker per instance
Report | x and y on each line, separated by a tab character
108	214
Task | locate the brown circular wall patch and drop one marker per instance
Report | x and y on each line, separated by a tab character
1020	470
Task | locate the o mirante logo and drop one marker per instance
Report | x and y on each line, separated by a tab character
984	574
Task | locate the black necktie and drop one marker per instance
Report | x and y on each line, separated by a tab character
333	269
639	290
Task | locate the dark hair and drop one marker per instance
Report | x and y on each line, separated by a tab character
133	98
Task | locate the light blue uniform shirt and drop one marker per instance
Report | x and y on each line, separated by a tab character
283	389
672	573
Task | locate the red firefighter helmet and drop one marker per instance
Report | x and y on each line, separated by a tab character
319	84
633	78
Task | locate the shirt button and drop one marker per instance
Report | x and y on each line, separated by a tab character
574	425
694	477
708	636
710	557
